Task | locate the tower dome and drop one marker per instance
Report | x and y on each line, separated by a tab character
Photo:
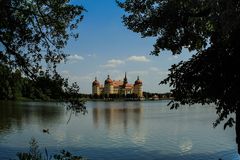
95	82
138	82
108	80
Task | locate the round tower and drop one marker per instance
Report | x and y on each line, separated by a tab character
138	88
96	87
108	86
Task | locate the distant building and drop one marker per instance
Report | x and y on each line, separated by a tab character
119	88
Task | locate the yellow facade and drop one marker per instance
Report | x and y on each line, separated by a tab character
120	88
96	90
138	88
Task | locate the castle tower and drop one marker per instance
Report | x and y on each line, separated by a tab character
125	81
108	86
137	90
96	87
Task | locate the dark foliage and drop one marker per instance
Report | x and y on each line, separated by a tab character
32	36
35	154
33	32
212	30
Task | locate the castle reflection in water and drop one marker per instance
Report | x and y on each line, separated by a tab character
118	114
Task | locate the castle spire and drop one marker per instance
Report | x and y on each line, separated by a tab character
125	79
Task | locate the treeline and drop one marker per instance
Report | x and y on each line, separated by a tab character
14	86
149	95
114	96
146	95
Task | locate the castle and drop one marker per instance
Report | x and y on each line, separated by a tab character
117	88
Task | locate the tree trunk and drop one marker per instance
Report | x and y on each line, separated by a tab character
238	128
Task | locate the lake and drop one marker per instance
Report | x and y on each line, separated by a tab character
116	131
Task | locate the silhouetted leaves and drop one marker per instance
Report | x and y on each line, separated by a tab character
65	155
35	154
34	32
209	27
32	37
212	30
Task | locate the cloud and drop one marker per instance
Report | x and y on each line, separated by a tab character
158	71
137	72
138	59
171	58
92	55
163	73
155	69
65	72
113	63
75	58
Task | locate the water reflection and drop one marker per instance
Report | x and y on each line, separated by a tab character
117	130
118	114
14	115
185	145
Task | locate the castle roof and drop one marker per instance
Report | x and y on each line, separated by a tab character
120	83
108	80
117	83
95	82
138	82
128	86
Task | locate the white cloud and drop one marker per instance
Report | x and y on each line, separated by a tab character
75	57
113	63
155	69
65	72
92	55
158	71
116	61
137	72
163	73
138	59
171	58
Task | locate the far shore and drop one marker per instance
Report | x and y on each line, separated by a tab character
123	99
24	99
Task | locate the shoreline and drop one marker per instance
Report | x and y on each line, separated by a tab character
122	99
23	99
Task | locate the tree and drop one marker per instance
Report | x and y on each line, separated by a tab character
34	31
10	83
209	28
5	86
33	34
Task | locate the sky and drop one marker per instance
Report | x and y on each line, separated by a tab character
106	47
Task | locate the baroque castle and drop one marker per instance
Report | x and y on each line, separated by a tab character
119	88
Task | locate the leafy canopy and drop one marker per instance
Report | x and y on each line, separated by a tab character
33	33
211	28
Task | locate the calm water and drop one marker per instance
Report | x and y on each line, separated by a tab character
117	130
